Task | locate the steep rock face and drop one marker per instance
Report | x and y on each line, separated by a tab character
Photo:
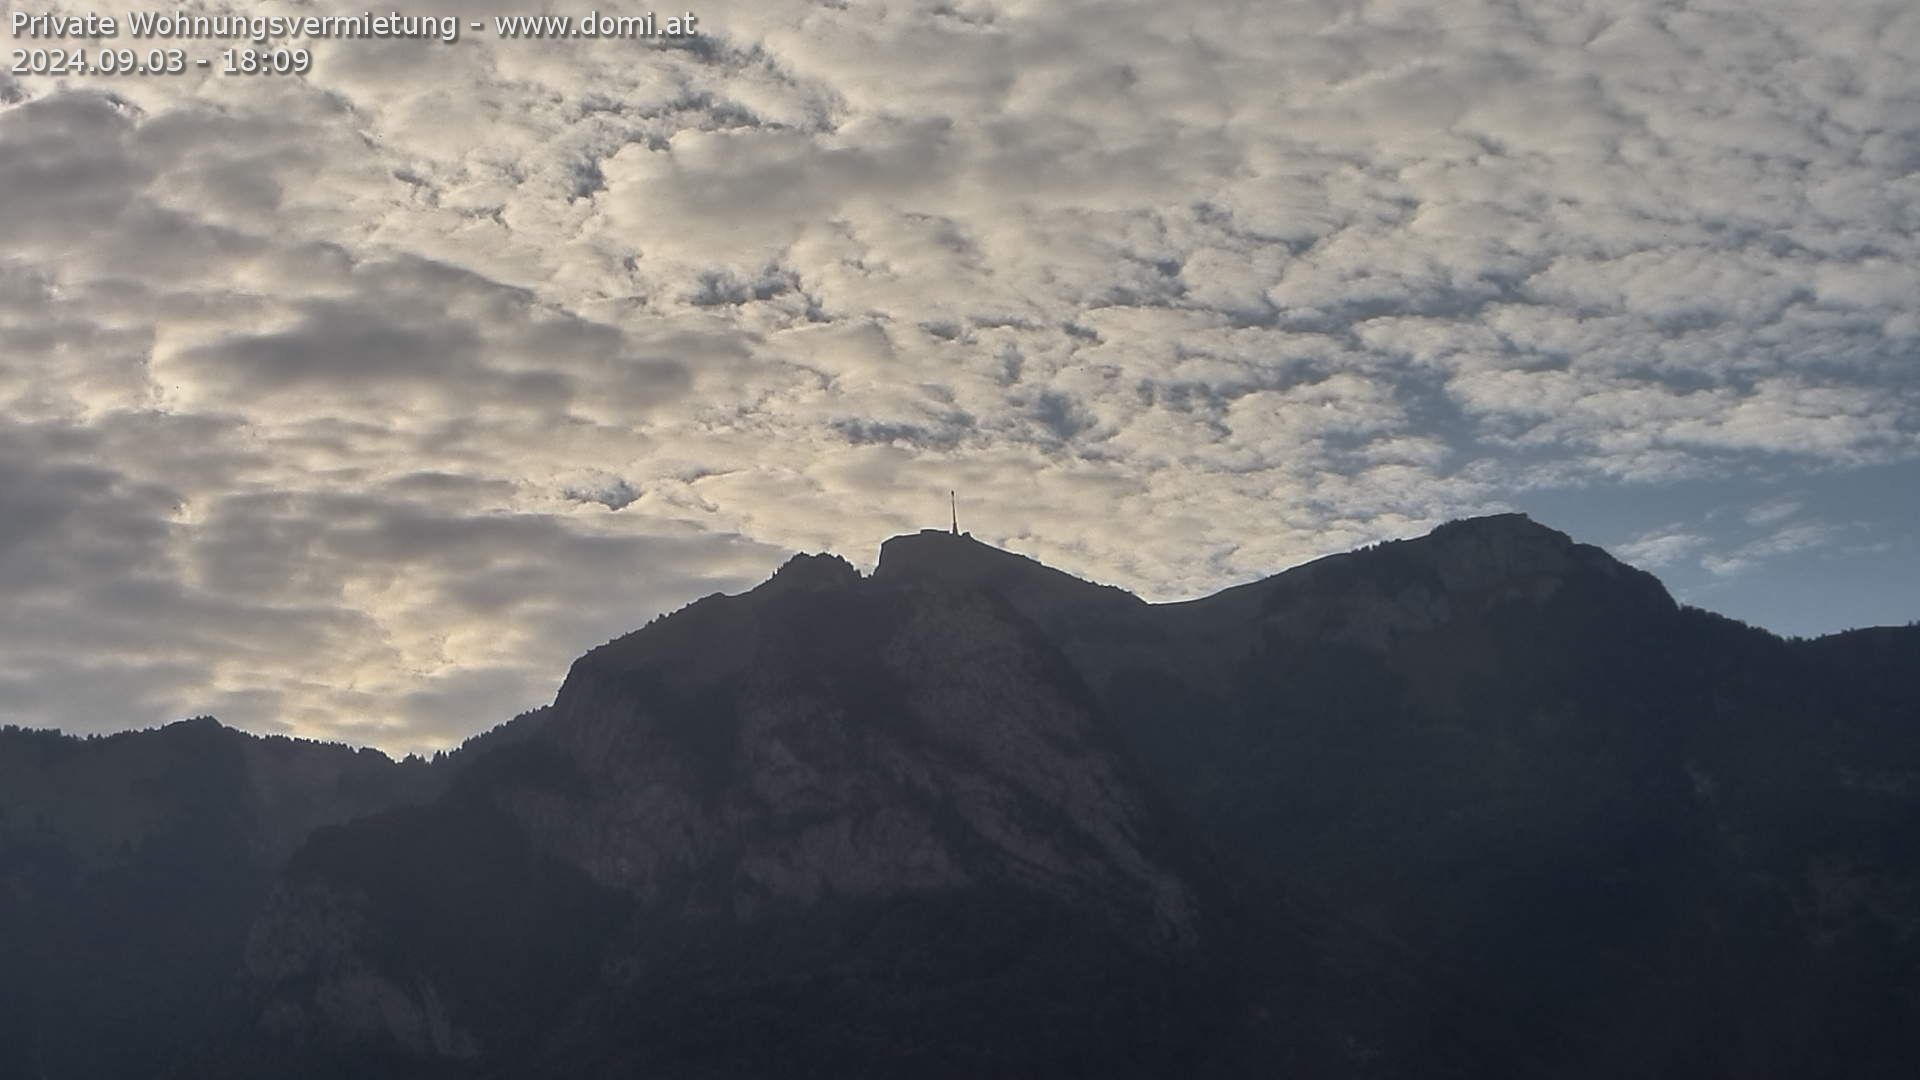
1441	752
1481	803
857	741
892	796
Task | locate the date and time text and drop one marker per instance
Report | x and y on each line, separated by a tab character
170	43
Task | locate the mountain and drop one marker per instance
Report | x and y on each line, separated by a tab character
130	867
1619	836
879	825
1485	802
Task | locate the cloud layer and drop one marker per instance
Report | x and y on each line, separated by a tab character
356	405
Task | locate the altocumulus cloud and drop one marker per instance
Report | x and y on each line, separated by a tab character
356	405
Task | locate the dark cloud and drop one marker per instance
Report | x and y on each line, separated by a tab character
342	343
62	161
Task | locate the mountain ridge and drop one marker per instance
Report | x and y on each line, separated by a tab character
1486	801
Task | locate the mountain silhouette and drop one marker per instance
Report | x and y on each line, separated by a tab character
1485	802
130	867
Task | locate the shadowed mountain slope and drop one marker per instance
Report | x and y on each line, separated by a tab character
1486	802
879	826
130	867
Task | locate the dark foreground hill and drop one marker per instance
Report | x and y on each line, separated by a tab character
1484	803
130	866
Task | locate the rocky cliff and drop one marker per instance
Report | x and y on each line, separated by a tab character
869	820
1485	802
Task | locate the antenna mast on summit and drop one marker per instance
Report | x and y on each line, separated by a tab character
953	499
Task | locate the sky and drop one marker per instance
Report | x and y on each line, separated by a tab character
356	405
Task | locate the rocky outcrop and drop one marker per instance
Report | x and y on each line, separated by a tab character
1486	802
830	766
857	744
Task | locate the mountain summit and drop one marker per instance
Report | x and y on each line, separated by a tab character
1484	802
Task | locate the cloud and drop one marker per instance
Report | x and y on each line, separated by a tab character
353	371
1662	547
1785	541
1772	512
